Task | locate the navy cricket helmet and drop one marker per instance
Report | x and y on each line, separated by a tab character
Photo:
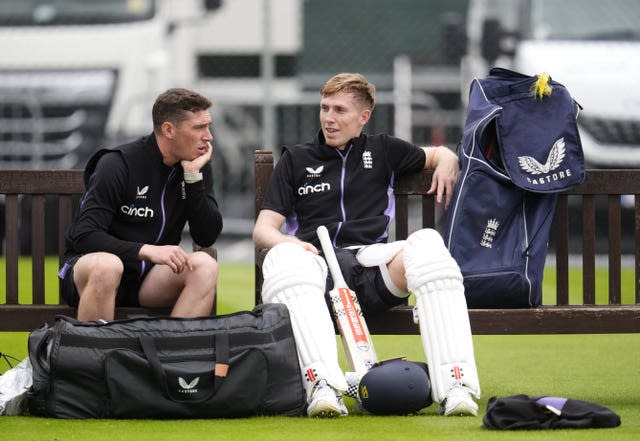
395	387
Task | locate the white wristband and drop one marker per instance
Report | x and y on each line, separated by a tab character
190	178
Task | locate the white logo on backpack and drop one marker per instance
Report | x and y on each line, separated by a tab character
556	155
489	233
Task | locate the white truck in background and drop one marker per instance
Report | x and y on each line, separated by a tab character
590	46
74	74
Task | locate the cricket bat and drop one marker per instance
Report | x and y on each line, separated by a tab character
353	329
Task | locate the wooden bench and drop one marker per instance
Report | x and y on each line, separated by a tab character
561	317
41	189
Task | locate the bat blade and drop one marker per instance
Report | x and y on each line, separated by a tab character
353	328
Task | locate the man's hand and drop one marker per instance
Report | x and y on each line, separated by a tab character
446	169
195	165
171	255
308	246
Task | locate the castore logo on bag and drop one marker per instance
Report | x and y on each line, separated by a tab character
188	388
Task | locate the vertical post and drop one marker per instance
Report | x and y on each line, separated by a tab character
263	168
402	97
267	73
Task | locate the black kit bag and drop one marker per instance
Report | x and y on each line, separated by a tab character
234	365
519	149
525	412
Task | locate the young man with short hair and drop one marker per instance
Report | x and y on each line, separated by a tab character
344	179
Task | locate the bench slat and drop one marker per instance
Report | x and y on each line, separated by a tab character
615	234
561	229
12	245
64	220
402	227
606	319
588	250
428	212
37	248
609	181
637	248
41	181
29	317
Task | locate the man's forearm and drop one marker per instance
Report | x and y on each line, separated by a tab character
268	237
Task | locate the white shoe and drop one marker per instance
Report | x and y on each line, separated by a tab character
324	403
459	402
343	408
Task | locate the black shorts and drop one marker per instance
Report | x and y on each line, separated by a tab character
127	291
367	282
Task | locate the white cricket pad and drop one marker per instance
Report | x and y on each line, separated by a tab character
296	278
435	279
379	253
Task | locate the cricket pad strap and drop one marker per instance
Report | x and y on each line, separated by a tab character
435	279
296	278
380	254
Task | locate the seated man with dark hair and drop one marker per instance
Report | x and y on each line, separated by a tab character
123	247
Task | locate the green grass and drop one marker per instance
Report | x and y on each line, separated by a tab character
599	368
627	284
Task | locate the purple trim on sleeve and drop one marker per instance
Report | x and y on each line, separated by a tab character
390	211
292	224
63	271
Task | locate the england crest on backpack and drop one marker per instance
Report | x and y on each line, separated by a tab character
520	147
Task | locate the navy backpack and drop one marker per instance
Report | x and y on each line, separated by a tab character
520	147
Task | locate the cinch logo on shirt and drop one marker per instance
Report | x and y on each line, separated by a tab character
318	188
134	211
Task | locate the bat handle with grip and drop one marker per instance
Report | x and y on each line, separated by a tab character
330	256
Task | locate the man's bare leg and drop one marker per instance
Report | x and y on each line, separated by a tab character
397	272
97	277
191	292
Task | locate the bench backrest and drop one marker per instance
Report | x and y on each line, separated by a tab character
610	185
15	185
